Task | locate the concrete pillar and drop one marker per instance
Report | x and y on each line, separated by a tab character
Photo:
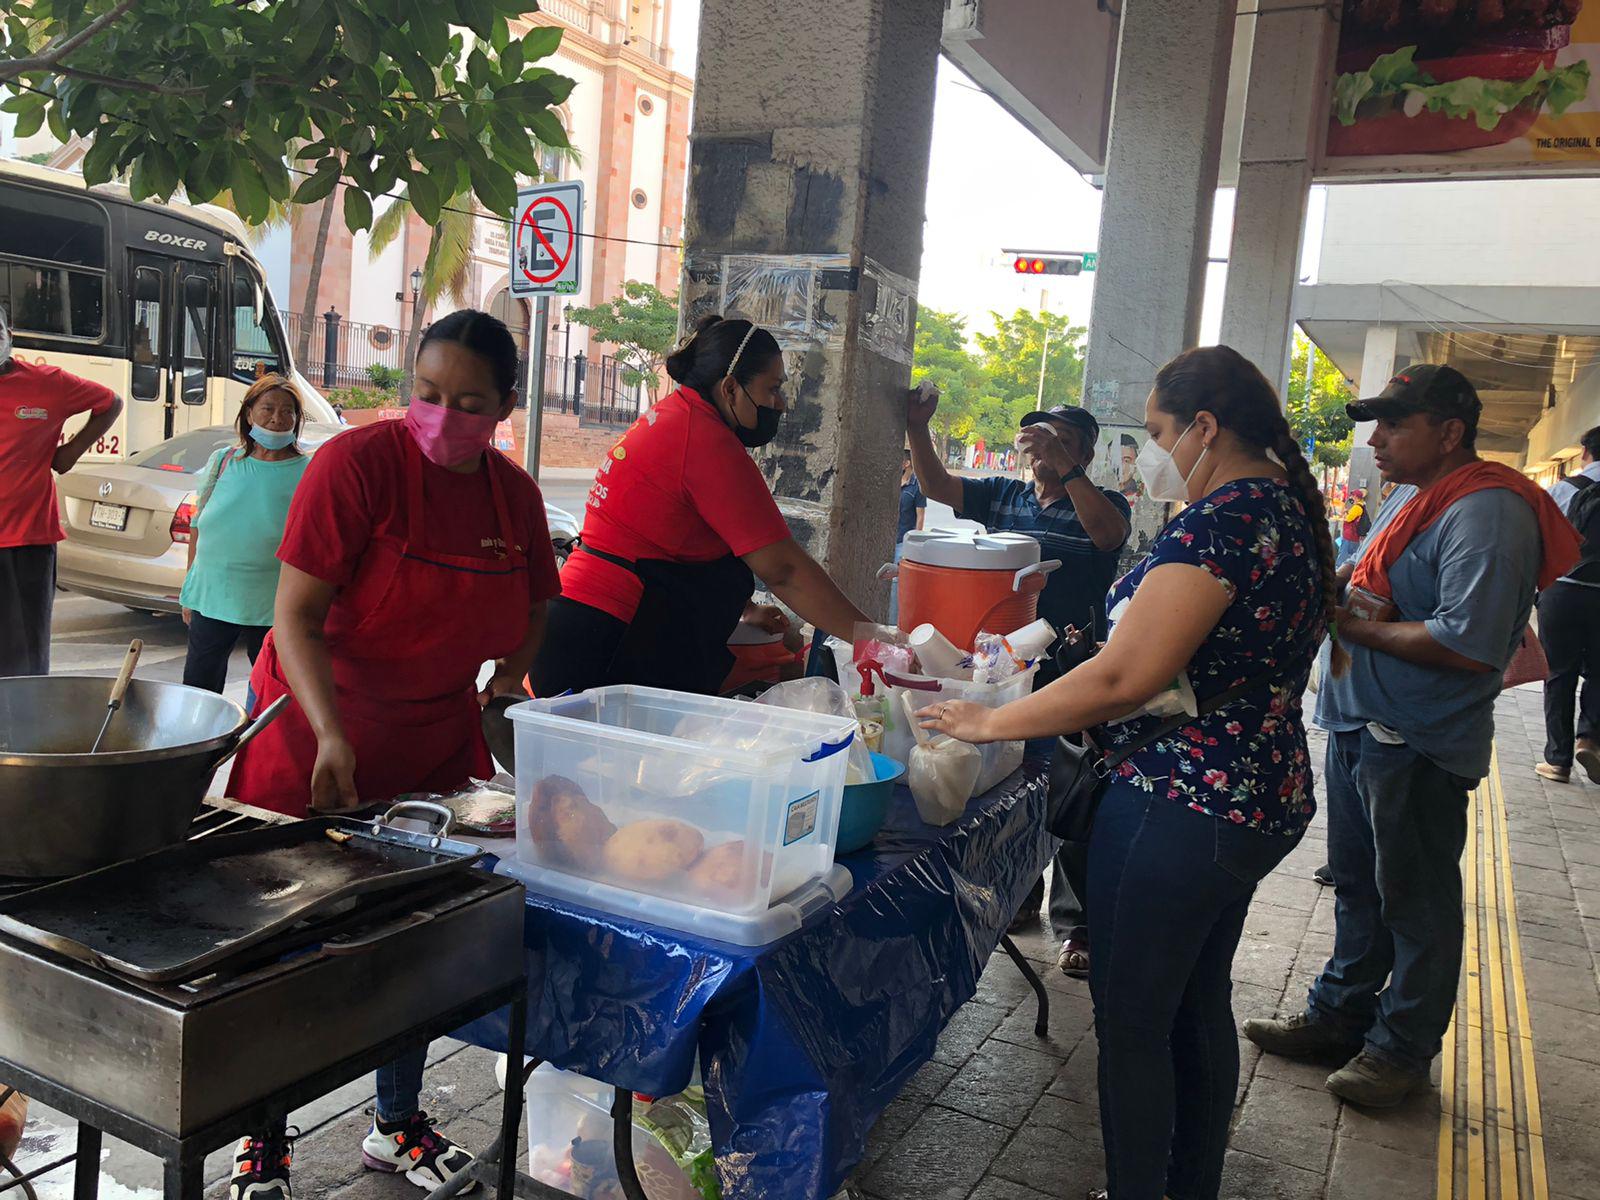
1285	109
1377	368
1161	179
808	172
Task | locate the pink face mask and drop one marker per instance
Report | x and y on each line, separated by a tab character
448	436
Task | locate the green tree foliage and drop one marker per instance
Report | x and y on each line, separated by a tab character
986	392
641	323
1318	412
218	96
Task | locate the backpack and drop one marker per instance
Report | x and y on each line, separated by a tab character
1584	513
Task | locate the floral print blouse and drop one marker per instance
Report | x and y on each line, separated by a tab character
1247	762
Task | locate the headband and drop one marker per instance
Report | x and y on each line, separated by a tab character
737	354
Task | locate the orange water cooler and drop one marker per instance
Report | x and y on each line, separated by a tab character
964	583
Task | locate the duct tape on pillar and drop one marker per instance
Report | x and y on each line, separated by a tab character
886	323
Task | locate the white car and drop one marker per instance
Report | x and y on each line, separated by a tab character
127	523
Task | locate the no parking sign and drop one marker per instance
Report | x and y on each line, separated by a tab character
547	240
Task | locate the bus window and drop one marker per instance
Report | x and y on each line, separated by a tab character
145	345
257	350
196	338
52	263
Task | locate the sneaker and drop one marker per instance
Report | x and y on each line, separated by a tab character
1323	875
1588	757
1373	1082
1554	774
1299	1036
414	1147
261	1168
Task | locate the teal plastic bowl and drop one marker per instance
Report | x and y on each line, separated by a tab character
866	805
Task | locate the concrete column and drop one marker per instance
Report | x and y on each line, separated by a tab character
1285	109
808	172
1377	368
1161	179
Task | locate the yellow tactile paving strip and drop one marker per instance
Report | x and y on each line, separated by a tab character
1491	1138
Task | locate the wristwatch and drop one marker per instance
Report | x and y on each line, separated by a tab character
1075	473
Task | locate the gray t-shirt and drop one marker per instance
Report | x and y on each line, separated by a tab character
1470	577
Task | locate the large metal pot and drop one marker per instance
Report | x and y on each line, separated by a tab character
64	811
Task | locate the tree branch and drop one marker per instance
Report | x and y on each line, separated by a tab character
54	53
132	85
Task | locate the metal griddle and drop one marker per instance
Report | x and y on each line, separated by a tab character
174	913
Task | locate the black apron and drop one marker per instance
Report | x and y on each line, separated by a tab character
678	637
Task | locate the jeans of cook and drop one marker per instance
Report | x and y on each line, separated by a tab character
1169	888
27	596
1397	823
400	1086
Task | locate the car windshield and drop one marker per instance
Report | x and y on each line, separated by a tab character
187	452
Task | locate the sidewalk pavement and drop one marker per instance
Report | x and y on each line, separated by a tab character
1000	1114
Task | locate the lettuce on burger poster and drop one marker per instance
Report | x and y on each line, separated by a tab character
1476	85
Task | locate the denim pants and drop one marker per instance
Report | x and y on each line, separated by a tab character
1397	823
1569	631
211	644
400	1086
1169	888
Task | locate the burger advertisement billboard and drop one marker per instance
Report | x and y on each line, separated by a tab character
1492	86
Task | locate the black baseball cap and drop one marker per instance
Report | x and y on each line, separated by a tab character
1080	419
1427	388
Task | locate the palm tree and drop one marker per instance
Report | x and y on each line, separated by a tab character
447	268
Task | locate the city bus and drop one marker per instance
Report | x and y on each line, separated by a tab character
162	303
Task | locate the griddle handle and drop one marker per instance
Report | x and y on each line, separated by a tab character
119	689
438	814
360	944
267	717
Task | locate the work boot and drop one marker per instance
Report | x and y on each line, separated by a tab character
1552	772
1374	1082
1588	757
1299	1035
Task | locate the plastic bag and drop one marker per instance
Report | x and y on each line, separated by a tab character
679	1124
827	697
941	775
876	649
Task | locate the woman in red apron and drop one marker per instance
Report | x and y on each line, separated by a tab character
414	553
678	525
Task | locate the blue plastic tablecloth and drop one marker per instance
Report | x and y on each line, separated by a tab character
802	1043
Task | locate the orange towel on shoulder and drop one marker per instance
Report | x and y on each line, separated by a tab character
1560	540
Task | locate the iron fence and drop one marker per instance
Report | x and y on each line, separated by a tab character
341	351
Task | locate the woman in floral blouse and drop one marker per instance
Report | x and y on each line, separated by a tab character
1238	586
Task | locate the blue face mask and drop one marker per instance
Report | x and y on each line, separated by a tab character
271	439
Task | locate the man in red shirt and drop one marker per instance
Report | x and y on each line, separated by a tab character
35	402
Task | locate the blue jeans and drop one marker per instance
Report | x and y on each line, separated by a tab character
1169	888
1347	552
400	1086
1397	823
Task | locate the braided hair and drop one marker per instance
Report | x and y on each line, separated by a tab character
1221	381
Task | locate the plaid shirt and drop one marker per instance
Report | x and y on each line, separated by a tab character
1079	588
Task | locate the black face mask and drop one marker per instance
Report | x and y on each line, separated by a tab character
766	425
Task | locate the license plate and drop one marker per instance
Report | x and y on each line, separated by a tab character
109	516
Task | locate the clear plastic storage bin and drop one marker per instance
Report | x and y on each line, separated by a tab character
570	1141
664	805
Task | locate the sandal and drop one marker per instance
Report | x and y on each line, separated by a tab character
1074	959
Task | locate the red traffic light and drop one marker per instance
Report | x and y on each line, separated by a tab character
1037	266
1020	266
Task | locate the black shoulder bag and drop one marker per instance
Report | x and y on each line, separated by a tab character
1079	775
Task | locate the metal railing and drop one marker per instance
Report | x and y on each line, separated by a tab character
569	12
341	350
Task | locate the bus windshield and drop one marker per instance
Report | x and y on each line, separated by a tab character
257	332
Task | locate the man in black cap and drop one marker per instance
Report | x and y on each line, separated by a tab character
1082	525
1430	624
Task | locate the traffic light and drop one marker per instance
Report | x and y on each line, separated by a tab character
1047	264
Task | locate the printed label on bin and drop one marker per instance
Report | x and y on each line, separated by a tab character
802	818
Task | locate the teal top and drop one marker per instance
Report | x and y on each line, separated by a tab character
235	573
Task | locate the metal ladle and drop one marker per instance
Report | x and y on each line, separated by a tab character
118	690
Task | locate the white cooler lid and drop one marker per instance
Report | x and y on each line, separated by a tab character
971	551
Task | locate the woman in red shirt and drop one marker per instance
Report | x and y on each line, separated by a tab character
679	524
413	554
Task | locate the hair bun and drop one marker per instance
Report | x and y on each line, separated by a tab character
680	362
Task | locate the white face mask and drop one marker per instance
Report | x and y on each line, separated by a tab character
1162	479
5	339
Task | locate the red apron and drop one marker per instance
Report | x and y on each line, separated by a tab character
407	637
